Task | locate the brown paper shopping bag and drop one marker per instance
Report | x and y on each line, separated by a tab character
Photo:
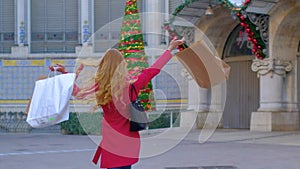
205	68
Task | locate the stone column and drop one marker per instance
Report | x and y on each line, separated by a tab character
218	95
21	22
85	23
85	30
21	34
272	114
197	103
154	22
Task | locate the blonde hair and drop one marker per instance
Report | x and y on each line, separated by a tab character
110	76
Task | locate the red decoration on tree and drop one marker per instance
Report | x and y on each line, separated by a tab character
247	2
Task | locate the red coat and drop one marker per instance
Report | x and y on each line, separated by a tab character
119	146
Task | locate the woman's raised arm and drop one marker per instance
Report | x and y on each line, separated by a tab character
147	74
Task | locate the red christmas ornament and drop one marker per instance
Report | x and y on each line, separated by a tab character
249	39
248	30
167	27
243	24
254	41
242	17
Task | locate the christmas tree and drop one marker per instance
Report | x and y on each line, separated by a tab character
131	45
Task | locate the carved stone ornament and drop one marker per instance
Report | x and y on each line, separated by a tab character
279	67
262	25
187	32
186	74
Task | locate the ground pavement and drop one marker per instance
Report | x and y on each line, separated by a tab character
225	149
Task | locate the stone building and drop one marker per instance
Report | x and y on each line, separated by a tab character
259	95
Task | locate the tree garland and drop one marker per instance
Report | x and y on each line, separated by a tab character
258	46
172	19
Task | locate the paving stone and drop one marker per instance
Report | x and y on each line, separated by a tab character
204	167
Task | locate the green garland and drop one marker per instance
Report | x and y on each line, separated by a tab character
179	9
258	46
172	19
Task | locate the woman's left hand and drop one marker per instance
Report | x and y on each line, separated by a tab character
174	43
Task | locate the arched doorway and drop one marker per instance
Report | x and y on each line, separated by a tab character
243	85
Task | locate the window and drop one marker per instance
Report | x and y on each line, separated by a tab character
237	43
54	26
6	25
108	17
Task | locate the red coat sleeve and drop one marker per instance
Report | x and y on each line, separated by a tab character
147	74
87	92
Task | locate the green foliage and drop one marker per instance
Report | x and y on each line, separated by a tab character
163	120
83	123
90	123
136	55
137	64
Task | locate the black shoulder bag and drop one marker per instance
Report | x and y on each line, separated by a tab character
138	118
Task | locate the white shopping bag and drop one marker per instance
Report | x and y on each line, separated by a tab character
50	101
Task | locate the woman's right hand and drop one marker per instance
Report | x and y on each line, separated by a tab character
174	43
79	69
59	68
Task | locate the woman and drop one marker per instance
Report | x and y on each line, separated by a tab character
119	147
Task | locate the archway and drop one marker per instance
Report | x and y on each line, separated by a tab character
231	43
284	45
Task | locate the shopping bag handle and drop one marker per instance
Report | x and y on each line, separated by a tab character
54	72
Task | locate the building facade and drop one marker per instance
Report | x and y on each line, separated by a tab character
35	34
259	95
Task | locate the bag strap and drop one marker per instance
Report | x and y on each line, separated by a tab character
53	72
133	88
